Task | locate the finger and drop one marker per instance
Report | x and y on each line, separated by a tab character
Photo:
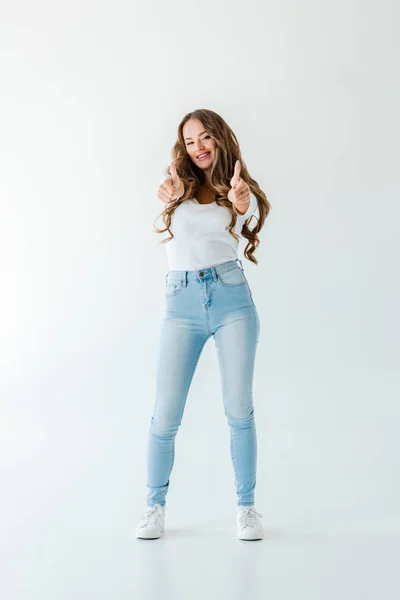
164	196
240	186
167	188
174	173
238	167
242	192
168	185
236	174
242	198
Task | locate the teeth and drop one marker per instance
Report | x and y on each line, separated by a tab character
201	155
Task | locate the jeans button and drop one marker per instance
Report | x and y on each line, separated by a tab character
201	273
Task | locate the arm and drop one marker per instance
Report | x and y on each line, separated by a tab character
250	210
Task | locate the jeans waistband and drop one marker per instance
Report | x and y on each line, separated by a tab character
207	273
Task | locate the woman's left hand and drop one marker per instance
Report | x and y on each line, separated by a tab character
239	194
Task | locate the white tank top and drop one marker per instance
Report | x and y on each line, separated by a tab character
200	238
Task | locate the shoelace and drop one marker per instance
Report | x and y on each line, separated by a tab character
148	514
248	517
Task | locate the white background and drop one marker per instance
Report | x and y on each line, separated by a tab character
91	97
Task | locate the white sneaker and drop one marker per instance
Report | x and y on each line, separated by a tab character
249	526
152	523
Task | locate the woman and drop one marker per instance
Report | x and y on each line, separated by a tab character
210	199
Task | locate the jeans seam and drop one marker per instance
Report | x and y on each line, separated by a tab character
234	462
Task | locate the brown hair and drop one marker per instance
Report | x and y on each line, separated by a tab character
226	154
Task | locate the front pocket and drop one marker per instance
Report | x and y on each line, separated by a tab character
173	288
232	278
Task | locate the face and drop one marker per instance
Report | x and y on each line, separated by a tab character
199	142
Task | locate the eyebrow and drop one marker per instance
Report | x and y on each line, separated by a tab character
189	138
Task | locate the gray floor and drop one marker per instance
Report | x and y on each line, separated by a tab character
73	552
73	489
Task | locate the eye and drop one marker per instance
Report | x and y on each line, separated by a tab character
204	138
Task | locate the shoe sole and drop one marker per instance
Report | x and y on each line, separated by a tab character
145	537
257	536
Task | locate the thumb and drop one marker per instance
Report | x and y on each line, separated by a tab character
174	174
236	174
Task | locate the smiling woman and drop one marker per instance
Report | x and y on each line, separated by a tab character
210	200
209	168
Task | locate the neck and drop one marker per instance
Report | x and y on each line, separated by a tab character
206	177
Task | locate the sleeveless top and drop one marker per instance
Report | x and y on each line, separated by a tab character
201	239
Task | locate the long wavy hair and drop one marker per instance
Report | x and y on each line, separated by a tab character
227	152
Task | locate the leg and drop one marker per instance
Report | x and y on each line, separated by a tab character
179	351
236	344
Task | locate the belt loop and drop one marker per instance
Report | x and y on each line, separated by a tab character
185	278
241	266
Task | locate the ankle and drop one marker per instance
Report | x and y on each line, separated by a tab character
247	506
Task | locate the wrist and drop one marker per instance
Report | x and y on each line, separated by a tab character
242	207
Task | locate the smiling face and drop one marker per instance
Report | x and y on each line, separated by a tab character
199	143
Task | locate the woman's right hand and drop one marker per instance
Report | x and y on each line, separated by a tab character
171	188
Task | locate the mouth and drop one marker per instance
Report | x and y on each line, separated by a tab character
203	156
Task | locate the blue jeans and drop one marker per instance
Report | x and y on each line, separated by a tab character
216	301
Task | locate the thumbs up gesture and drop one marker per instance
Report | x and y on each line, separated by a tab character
239	194
171	188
